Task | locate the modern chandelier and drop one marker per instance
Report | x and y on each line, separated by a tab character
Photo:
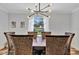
40	10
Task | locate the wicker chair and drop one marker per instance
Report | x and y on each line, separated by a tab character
22	44
44	34
56	44
9	41
33	33
69	41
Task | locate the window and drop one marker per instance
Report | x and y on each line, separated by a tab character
38	24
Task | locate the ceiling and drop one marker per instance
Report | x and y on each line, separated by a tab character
21	7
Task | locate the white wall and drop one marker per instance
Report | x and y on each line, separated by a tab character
3	27
60	23
31	24
18	18
75	28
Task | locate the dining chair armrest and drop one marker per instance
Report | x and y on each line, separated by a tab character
66	50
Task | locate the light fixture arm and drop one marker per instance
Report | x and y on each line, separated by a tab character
45	7
39	7
44	15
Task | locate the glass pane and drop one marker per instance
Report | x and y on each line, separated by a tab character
38	24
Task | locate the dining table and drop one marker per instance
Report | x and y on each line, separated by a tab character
39	45
39	42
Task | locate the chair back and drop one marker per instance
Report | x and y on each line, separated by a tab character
69	40
22	44
56	44
9	41
44	34
33	33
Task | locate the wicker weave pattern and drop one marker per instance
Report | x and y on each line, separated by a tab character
56	45
23	45
69	41
9	41
33	33
44	34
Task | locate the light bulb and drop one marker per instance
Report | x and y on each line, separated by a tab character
26	8
32	11
35	4
50	4
49	10
28	17
49	16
